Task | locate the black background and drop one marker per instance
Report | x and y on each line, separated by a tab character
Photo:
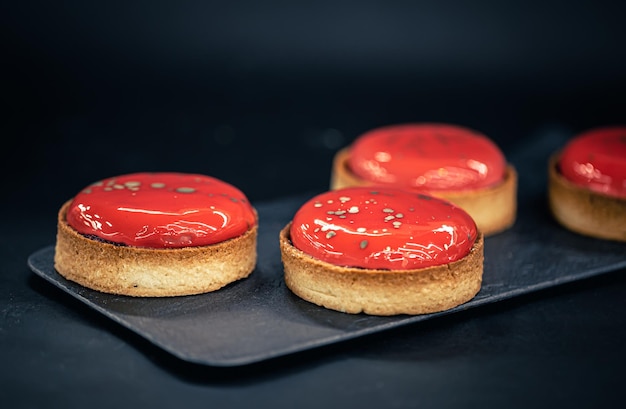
262	94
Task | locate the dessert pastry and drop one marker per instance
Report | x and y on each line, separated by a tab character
446	161
382	251
156	235
587	184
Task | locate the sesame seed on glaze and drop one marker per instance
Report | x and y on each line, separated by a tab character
360	238
138	210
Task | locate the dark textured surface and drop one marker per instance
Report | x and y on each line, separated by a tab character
258	318
261	94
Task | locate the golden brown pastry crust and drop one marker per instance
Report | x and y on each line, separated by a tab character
147	272
494	209
582	210
382	292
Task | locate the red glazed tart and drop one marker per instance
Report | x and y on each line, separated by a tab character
446	161
587	184
156	234
382	251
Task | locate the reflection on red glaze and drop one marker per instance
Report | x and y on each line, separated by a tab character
161	210
382	228
427	156
596	160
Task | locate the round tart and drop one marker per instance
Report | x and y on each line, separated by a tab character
156	235
446	161
587	184
382	251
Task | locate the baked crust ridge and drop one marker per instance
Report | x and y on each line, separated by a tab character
582	210
382	292
149	272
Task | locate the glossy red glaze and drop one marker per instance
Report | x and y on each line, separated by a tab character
161	210
382	228
596	160
431	157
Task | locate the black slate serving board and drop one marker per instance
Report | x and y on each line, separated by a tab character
258	318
